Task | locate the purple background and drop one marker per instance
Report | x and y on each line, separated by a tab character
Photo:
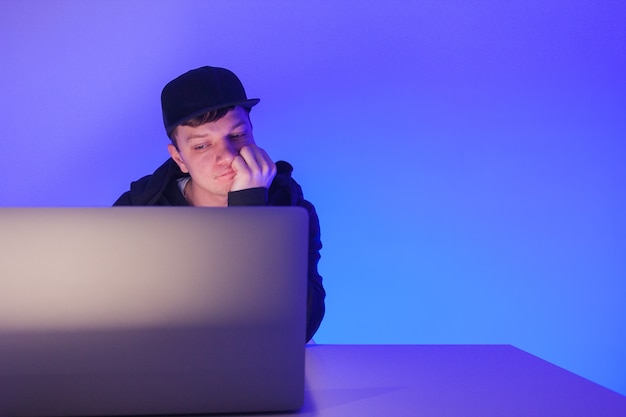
467	159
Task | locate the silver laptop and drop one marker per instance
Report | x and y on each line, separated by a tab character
152	310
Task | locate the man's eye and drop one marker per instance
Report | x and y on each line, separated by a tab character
201	146
237	136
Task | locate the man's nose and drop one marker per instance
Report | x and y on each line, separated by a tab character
225	150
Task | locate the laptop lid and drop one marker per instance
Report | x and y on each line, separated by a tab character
152	310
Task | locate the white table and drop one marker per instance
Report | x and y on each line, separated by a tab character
446	380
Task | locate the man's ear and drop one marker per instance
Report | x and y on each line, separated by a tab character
176	157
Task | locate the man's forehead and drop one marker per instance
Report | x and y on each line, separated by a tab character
236	118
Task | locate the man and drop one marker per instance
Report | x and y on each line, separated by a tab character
215	162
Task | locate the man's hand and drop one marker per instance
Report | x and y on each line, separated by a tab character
253	168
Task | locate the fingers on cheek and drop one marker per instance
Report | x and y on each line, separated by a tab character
258	157
239	164
252	159
264	165
271	169
265	161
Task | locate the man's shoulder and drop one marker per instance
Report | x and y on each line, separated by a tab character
149	188
283	168
284	190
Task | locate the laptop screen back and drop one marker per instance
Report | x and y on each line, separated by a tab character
152	310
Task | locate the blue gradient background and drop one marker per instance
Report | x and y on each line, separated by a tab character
467	159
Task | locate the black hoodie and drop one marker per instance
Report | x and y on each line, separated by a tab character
161	189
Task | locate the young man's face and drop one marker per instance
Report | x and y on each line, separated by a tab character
206	152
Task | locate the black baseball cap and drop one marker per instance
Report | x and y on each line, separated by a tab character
200	91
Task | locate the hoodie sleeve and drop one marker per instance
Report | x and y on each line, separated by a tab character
285	191
250	197
316	294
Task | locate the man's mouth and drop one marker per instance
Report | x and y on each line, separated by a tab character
226	173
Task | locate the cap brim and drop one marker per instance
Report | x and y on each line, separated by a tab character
247	103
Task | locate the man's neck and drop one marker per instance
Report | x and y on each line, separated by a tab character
199	198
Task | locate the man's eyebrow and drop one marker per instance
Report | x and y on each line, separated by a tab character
197	136
236	125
